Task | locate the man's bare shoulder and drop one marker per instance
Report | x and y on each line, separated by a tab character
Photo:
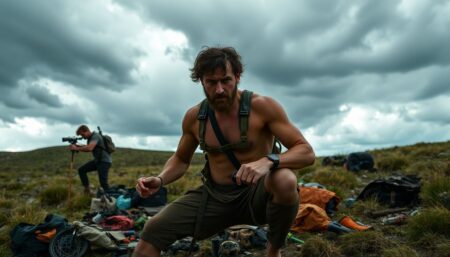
265	104
191	115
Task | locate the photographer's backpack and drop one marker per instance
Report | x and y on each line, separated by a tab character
107	141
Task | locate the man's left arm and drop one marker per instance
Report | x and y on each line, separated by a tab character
300	153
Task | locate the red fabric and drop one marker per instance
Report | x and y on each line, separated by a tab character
117	223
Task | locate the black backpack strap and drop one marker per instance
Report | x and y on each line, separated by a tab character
202	117
244	113
222	140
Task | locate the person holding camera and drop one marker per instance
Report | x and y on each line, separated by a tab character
102	159
244	180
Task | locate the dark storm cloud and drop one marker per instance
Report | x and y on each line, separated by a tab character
42	95
67	114
151	111
127	69
58	41
49	39
438	84
287	41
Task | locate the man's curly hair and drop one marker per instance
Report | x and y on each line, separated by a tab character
212	58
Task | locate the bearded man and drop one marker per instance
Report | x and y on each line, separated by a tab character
244	182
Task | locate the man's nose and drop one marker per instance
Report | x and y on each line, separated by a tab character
219	88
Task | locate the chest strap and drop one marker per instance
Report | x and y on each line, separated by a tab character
244	113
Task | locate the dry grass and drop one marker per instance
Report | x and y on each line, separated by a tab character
443	249
317	246
363	244
429	221
436	192
391	162
35	183
400	251
336	177
54	195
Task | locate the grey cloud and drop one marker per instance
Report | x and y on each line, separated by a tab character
61	42
46	39
434	111
438	83
148	112
320	38
14	98
66	114
42	95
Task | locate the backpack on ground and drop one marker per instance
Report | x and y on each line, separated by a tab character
109	145
395	191
360	161
33	240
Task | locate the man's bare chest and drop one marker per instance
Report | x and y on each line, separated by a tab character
232	132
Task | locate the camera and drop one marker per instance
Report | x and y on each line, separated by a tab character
71	140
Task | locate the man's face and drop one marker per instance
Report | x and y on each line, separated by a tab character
220	88
84	134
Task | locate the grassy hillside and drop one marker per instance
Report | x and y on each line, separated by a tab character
58	159
35	183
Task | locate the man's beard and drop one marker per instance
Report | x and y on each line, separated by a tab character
222	103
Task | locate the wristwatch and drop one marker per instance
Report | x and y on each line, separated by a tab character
275	158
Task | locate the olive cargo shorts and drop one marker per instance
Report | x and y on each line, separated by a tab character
177	220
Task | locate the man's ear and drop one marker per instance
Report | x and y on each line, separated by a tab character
238	77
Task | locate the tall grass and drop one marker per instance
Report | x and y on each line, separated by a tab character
317	246
391	162
436	192
365	243
335	177
401	251
54	195
26	178
430	221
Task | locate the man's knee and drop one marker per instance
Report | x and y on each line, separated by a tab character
145	249
282	182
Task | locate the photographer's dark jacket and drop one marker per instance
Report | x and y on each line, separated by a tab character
99	152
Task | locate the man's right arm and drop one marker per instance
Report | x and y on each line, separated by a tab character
179	162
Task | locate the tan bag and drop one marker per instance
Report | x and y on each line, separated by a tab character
97	236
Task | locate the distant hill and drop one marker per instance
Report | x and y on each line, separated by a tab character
58	158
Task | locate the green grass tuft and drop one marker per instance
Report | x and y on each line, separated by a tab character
436	192
336	178
443	249
429	221
30	213
400	251
54	195
81	202
365	243
392	162
317	246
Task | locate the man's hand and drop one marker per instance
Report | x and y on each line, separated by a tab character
148	186
73	147
251	172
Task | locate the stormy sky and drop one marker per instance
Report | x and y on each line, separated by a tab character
352	75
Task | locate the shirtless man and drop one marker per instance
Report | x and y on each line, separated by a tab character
264	190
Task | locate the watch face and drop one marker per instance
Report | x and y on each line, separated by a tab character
275	159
